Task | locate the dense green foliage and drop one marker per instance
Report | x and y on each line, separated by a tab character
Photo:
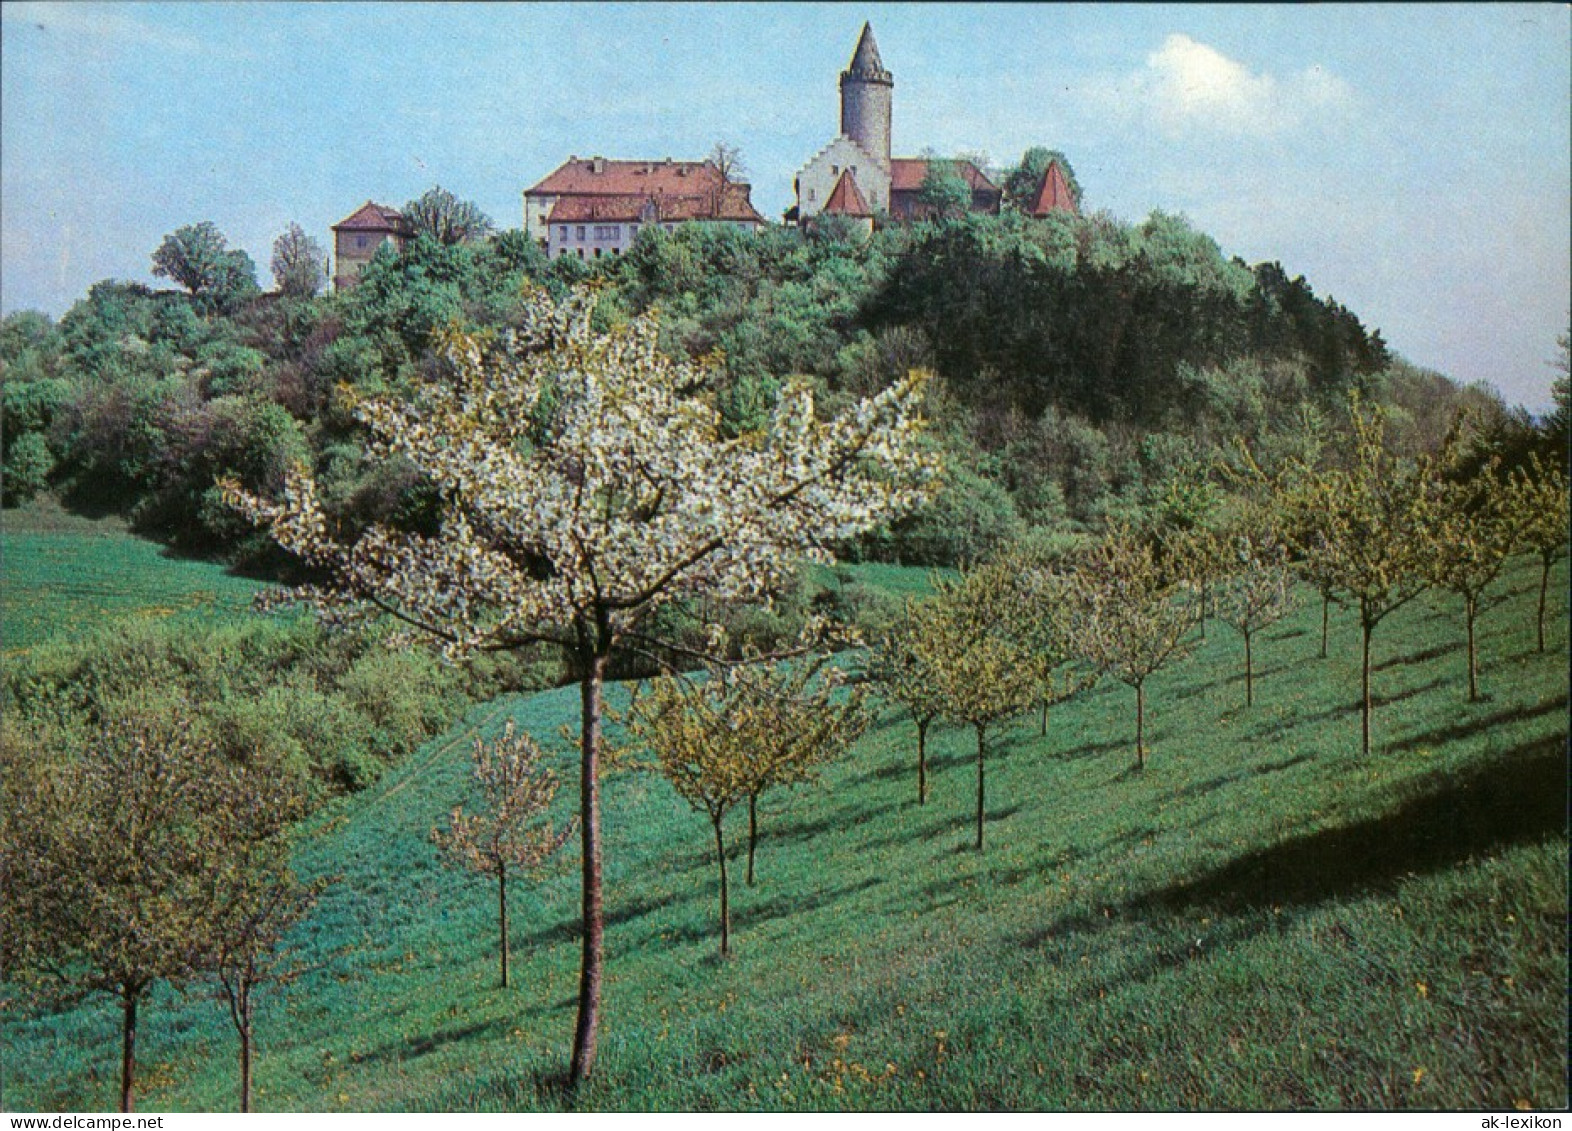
1086	362
1264	919
95	617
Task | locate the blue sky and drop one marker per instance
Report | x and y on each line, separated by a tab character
1412	161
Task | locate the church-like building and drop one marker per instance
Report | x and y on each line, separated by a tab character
854	175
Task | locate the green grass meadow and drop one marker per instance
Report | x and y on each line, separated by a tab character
1262	919
63	574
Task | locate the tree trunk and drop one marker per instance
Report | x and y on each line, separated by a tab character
502	918
1043	731
1202	618
1140	726
753	831
980	746
589	835
1470	610
1366	628
922	761
725	908
1326	605
128	1002
1249	674
1544	583
245	1047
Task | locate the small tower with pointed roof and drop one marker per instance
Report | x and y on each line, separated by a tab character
867	90
846	200
1053	194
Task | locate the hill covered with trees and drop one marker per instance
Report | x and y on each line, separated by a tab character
1089	367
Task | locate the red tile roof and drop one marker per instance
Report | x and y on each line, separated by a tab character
733	205
373	217
908	173
600	177
1054	194
846	198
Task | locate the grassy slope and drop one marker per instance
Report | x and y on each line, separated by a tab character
62	573
1263	919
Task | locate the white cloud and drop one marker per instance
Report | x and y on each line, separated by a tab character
1187	86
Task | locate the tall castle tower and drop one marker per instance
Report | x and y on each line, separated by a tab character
866	89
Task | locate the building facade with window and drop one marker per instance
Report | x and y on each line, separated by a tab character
889	185
595	207
357	237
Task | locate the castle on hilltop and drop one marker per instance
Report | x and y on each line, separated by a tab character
855	175
594	207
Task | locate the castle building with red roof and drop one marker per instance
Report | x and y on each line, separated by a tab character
357	237
860	155
590	207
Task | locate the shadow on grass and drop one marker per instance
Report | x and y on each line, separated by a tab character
807	830
431	1042
746	915
1090	749
1211	784
1192	690
1421	657
1468	729
619	912
1520	800
1279	727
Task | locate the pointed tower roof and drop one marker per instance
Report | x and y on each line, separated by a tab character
865	62
846	198
1054	194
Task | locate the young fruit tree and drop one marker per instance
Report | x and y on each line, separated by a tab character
903	668
730	737
985	670
262	899
1364	526
111	861
1539	500
1131	616
1275	503
1044	586
587	481
1472	534
508	833
807	718
1255	592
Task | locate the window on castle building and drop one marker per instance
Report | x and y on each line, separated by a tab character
361	242
633	231
835	170
562	232
607	231
579	232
